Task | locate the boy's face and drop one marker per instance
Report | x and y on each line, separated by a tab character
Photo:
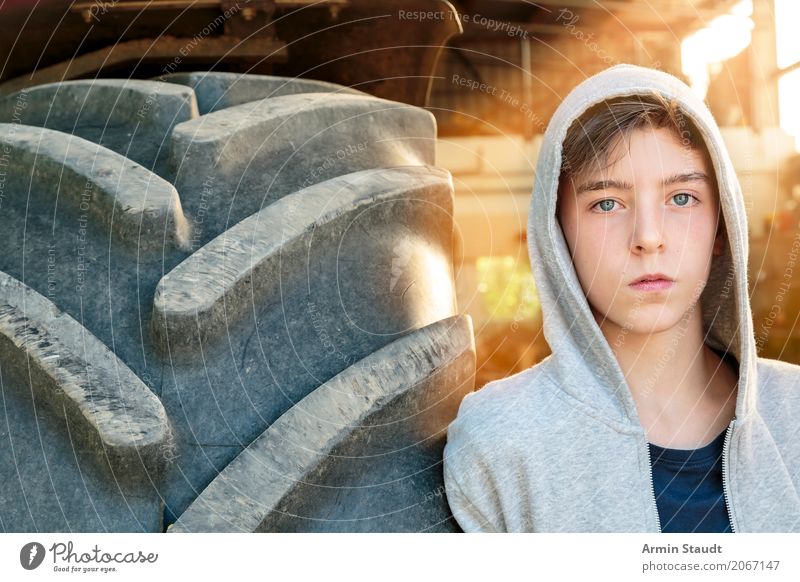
654	210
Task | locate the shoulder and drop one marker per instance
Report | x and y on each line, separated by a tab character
777	370
778	379
778	397
777	367
504	413
506	398
778	403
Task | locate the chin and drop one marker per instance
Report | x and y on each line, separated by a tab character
648	320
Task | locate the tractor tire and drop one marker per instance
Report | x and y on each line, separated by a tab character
226	304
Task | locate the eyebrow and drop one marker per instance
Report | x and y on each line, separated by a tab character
617	185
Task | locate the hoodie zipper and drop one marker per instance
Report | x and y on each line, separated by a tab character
652	483
724	478
725	473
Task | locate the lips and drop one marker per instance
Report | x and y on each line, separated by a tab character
651	277
652	282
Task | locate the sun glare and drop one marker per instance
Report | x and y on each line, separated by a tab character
787	46
724	37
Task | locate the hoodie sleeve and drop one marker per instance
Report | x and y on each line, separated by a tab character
469	491
469	515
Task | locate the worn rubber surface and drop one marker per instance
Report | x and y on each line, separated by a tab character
180	284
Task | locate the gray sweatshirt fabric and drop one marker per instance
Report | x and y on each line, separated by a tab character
559	447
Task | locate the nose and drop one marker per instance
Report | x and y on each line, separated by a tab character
648	229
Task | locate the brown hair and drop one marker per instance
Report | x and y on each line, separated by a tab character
592	137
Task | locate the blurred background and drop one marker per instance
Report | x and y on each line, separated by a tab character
492	72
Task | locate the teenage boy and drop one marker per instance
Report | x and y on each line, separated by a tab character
653	412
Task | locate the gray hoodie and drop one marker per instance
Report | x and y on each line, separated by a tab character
559	447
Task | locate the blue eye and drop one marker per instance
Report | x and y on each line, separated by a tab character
685	196
605	205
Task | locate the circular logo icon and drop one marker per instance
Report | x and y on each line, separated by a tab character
31	555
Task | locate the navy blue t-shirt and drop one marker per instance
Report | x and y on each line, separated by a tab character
688	487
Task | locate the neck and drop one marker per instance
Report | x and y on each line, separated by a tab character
673	365
684	393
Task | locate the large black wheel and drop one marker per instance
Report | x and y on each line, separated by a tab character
226	301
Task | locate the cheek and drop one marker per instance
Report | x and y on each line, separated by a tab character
595	248
595	260
598	242
697	232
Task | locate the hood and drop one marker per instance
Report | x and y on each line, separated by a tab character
582	358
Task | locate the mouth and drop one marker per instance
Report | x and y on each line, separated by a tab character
652	282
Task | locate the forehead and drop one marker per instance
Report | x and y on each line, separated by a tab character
654	150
